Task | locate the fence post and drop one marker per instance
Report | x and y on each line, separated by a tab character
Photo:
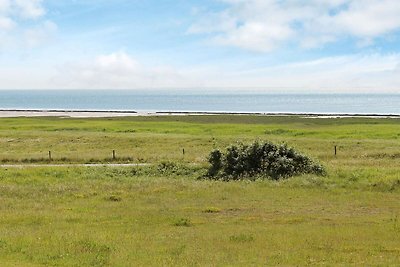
113	155
335	150
50	158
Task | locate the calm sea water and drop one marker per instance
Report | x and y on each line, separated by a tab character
202	102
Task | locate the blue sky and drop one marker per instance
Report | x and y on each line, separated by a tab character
246	45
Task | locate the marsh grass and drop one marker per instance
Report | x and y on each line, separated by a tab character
107	216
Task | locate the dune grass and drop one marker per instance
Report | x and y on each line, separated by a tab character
164	215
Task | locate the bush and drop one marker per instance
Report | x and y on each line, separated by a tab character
260	159
215	159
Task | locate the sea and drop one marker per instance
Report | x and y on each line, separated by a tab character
197	101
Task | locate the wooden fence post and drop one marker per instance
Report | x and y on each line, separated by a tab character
113	155
335	150
50	158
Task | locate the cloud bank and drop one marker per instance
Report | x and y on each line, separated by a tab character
360	73
265	25
118	70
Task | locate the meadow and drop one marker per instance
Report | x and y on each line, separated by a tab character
166	214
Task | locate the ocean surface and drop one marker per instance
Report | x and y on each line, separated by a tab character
150	101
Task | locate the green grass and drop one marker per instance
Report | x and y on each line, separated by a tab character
164	215
125	217
154	139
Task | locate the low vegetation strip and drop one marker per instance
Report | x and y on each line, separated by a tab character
74	165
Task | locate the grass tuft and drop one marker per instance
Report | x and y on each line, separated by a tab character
212	210
185	222
241	238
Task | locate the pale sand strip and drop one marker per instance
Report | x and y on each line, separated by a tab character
66	113
104	114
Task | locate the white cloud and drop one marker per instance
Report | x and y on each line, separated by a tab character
6	24
119	64
4	5
30	8
14	29
263	25
118	71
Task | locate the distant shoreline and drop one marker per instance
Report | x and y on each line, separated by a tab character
10	113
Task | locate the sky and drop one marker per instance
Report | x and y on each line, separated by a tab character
349	46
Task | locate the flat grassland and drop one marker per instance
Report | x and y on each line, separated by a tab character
163	214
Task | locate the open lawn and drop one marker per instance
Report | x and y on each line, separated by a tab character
152	215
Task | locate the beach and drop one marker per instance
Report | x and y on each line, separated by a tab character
65	113
15	113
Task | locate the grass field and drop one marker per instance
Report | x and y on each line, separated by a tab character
151	216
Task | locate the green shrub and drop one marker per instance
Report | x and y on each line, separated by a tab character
215	159
260	159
